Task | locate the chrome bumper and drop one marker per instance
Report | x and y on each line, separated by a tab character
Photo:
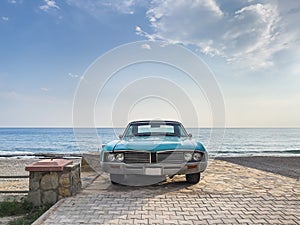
158	169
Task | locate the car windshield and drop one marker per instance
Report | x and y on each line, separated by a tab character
155	129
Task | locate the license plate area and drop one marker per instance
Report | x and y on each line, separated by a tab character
153	171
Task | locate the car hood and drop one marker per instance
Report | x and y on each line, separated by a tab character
154	144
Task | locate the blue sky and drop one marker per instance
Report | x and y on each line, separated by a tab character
251	46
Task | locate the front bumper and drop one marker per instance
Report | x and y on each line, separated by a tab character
151	169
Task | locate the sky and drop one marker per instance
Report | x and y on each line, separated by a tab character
252	48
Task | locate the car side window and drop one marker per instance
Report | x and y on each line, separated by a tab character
129	132
181	131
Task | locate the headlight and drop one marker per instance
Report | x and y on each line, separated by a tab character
120	157
197	156
188	156
111	157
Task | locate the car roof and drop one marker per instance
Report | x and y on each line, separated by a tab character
155	121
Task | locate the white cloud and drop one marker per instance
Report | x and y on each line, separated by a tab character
4	18
44	89
247	34
252	36
138	29
98	8
146	46
140	32
49	4
123	6
15	1
73	75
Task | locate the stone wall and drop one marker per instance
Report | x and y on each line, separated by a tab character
49	187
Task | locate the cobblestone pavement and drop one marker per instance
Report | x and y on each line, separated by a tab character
227	194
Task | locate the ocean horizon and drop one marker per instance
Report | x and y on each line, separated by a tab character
235	142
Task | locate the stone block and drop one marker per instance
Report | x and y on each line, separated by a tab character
34	184
49	197
35	197
65	180
49	181
35	175
76	172
47	187
64	192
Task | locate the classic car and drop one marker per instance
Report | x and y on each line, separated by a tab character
149	151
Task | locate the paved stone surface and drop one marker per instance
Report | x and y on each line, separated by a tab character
227	194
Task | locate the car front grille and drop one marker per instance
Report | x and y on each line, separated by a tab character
132	157
170	157
136	157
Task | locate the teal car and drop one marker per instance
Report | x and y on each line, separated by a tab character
149	151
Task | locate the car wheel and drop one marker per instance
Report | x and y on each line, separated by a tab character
193	178
114	183
116	178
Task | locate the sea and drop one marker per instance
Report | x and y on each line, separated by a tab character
227	142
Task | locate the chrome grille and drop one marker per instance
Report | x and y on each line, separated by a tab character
137	157
170	157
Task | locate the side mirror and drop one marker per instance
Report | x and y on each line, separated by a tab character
190	135
120	136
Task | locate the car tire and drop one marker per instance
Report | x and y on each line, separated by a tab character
114	183
116	178
193	178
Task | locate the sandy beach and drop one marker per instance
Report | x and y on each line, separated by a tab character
14	167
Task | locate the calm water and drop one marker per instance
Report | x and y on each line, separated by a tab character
236	142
